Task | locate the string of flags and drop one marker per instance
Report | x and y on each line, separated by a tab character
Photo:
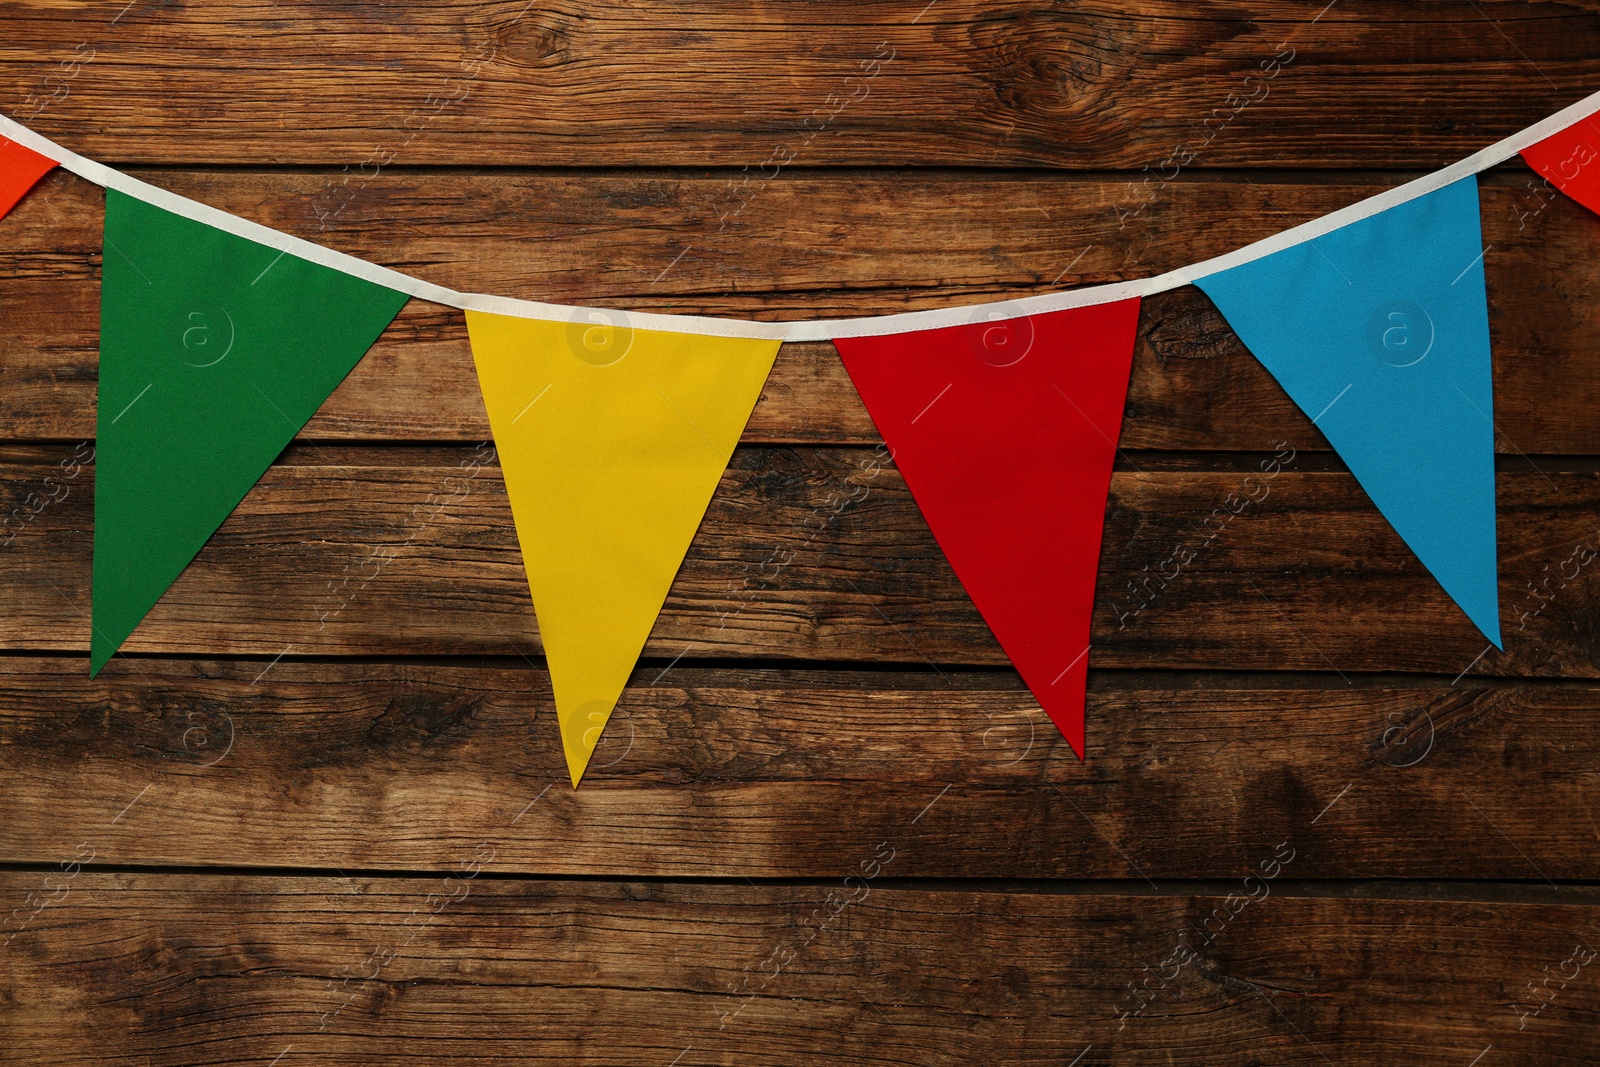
220	338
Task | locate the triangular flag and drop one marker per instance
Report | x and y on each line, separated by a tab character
611	441
1570	160
1379	330
214	351
1005	431
20	170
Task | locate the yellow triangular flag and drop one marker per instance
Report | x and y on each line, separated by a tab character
611	440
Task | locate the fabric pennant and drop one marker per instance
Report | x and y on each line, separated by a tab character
1379	331
612	441
20	170
1005	431
1570	161
214	352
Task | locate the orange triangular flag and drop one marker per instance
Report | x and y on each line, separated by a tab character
20	170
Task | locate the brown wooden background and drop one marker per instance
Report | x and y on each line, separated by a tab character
316	814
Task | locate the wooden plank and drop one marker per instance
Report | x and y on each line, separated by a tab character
348	678
821	554
1092	85
718	773
464	968
817	245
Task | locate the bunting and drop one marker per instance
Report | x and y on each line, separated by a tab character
214	351
1379	330
20	170
1005	431
612	440
221	337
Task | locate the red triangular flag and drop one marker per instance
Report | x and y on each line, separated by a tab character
20	170
1570	161
1005	431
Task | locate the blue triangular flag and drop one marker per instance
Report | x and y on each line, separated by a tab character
1379	330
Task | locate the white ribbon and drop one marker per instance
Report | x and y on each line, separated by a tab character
814	329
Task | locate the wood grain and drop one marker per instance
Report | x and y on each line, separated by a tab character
465	968
821	554
719	773
339	712
814	245
1090	84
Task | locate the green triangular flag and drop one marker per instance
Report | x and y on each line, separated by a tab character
214	351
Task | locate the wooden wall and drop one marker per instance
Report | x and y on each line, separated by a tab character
316	813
